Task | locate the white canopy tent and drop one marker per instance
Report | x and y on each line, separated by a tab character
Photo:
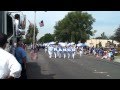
82	44
62	44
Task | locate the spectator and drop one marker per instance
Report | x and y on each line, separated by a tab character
21	56
9	66
110	54
105	55
24	46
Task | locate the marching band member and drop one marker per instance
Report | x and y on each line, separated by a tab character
80	51
73	51
55	51
50	51
69	51
46	49
60	51
64	51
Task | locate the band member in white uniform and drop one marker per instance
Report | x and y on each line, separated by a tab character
50	51
55	51
46	49
73	51
81	51
69	51
64	51
60	51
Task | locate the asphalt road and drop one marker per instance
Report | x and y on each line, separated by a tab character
85	67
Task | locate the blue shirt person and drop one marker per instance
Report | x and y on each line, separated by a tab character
21	56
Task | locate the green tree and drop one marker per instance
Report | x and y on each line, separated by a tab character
117	34
46	38
112	38
98	37
75	26
93	32
103	36
100	44
30	33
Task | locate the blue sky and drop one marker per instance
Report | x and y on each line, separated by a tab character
106	21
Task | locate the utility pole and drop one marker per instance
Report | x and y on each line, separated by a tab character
34	30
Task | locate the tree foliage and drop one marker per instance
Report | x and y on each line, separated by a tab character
112	37
100	44
76	26
117	34
103	36
46	38
30	33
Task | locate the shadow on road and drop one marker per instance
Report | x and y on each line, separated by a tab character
34	72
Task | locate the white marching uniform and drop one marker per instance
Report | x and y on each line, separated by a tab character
81	51
73	52
46	49
50	51
68	51
94	52
55	51
64	52
60	52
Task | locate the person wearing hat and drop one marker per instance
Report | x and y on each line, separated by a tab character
21	56
9	66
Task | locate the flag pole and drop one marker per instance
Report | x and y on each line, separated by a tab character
34	30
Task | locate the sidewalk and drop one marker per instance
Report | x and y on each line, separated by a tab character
117	59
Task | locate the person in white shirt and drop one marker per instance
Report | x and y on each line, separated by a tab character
64	51
73	51
9	66
81	51
110	55
69	51
50	51
46	49
55	51
60	51
17	24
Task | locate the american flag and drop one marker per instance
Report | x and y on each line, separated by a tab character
41	23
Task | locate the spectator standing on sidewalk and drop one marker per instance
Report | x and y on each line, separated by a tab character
110	54
9	66
21	56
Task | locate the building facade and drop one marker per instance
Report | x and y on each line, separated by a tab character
104	42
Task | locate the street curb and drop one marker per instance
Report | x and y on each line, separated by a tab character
105	60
